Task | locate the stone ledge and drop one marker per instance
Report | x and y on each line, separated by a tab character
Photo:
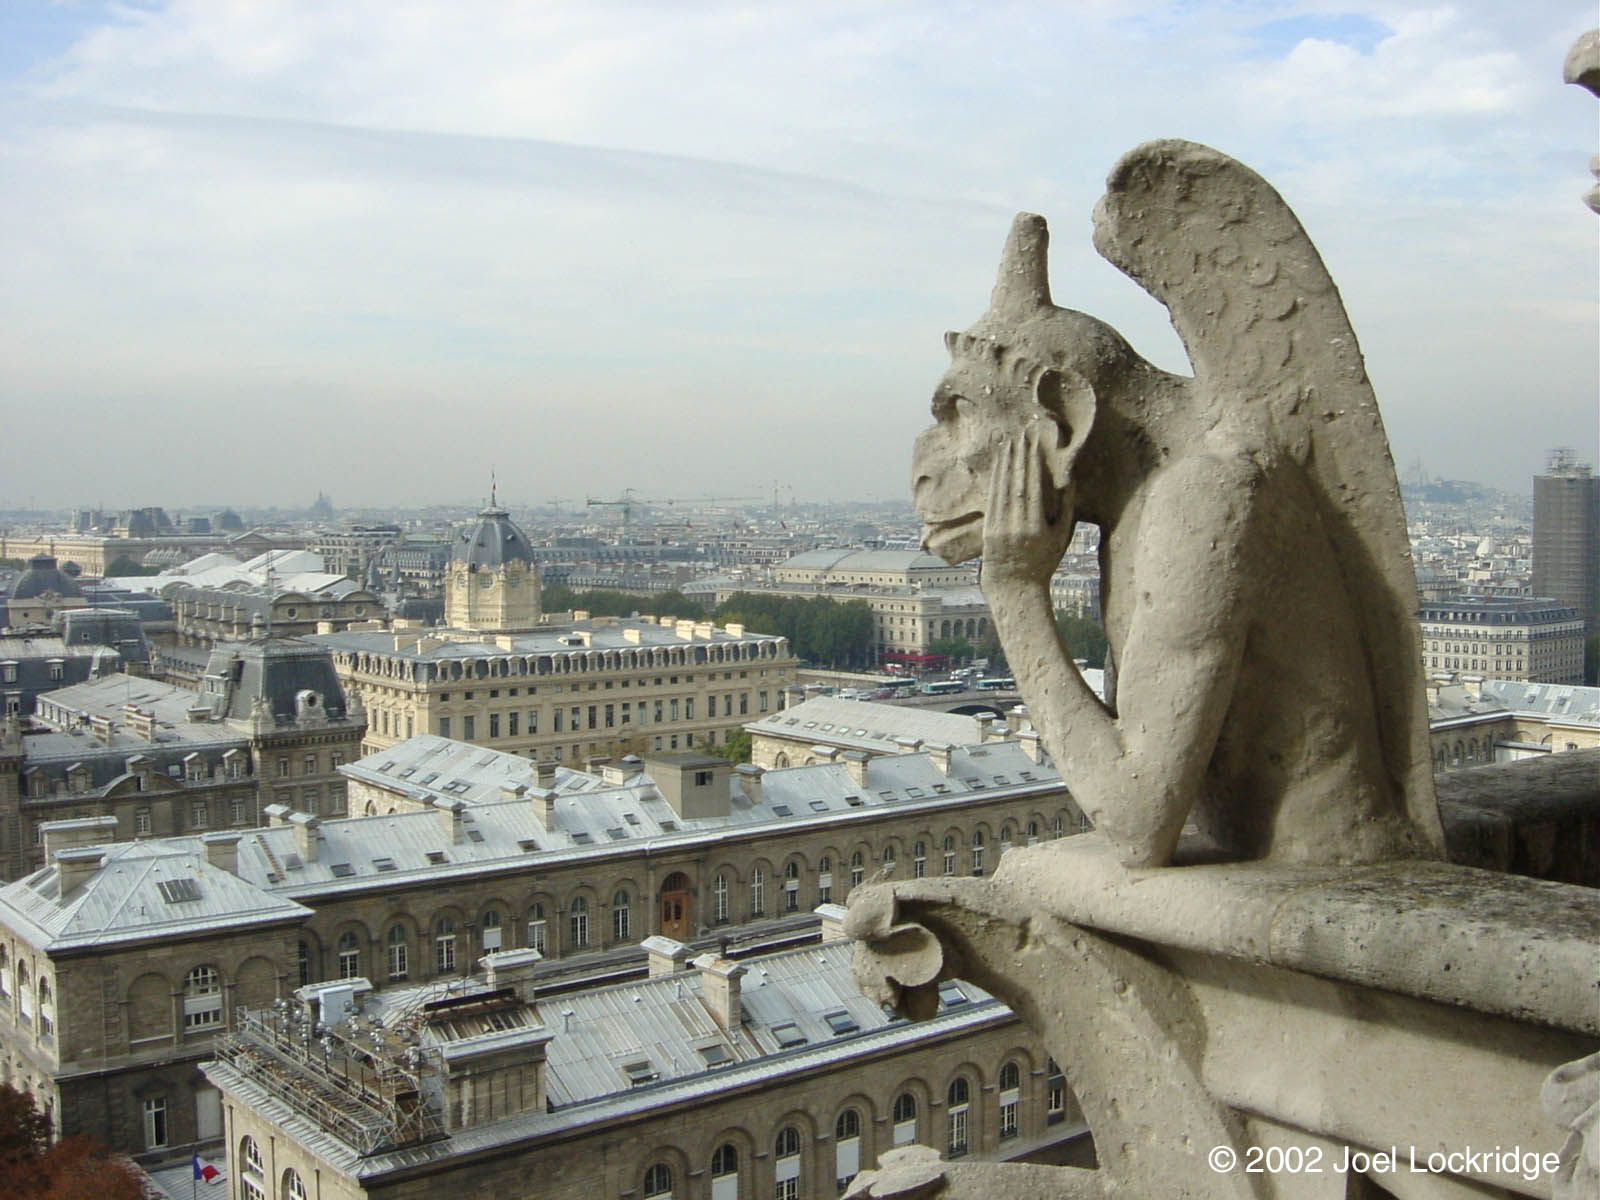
1503	944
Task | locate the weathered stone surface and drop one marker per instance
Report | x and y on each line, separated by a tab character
1256	576
1536	816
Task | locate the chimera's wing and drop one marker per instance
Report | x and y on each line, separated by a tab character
1271	345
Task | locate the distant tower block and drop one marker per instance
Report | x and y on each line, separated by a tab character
491	584
1566	535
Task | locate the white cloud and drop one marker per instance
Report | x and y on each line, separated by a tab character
368	219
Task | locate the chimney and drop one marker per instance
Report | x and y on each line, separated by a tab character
222	850
1031	746
83	831
908	745
996	731
76	864
833	917
1473	685
514	969
824	754
855	761
513	791
305	834
941	754
546	771
623	771
1020	721
750	780
719	989
276	814
985	723
666	956
544	807
450	818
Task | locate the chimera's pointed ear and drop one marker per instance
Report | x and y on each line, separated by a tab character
950	341
1069	400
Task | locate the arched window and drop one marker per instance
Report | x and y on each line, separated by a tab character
349	956
960	1103
252	1174
491	936
1033	832
536	928
977	852
758	892
294	1188
786	1150
846	1148
905	1119
578	922
950	854
47	1008
719	899
302	957
791	887
1005	837
658	1182
725	1172
1010	1094
202	999
399	952
919	860
858	868
444	946
5	974
620	917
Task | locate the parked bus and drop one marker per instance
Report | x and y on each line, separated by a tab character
900	685
1000	684
943	687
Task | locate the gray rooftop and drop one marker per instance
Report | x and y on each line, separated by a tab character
862	725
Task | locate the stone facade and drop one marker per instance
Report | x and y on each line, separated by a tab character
602	687
1538	641
416	897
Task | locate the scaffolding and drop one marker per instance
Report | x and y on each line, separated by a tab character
373	1098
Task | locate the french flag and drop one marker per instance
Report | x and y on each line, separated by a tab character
209	1172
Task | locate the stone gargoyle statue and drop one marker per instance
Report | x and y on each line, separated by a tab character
1256	579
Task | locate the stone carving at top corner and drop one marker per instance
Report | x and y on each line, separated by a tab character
1256	577
1583	68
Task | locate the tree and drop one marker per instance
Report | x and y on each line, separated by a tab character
1085	638
956	649
735	749
74	1168
122	566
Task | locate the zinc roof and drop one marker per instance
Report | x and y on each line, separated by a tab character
124	899
865	725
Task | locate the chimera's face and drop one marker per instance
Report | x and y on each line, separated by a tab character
975	411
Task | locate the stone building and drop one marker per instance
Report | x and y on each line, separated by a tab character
268	725
906	620
871	568
1472	720
205	616
40	592
767	1076
825	726
352	549
1534	640
569	691
487	857
31	666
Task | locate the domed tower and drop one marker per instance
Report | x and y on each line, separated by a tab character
492	584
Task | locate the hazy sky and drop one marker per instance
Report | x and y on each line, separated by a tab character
257	248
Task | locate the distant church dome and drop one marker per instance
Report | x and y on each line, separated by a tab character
491	542
43	578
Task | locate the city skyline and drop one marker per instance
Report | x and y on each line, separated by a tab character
379	251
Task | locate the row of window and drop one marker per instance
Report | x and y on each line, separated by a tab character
578	718
29	999
729	1179
577	662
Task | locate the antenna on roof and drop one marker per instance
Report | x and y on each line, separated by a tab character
493	487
